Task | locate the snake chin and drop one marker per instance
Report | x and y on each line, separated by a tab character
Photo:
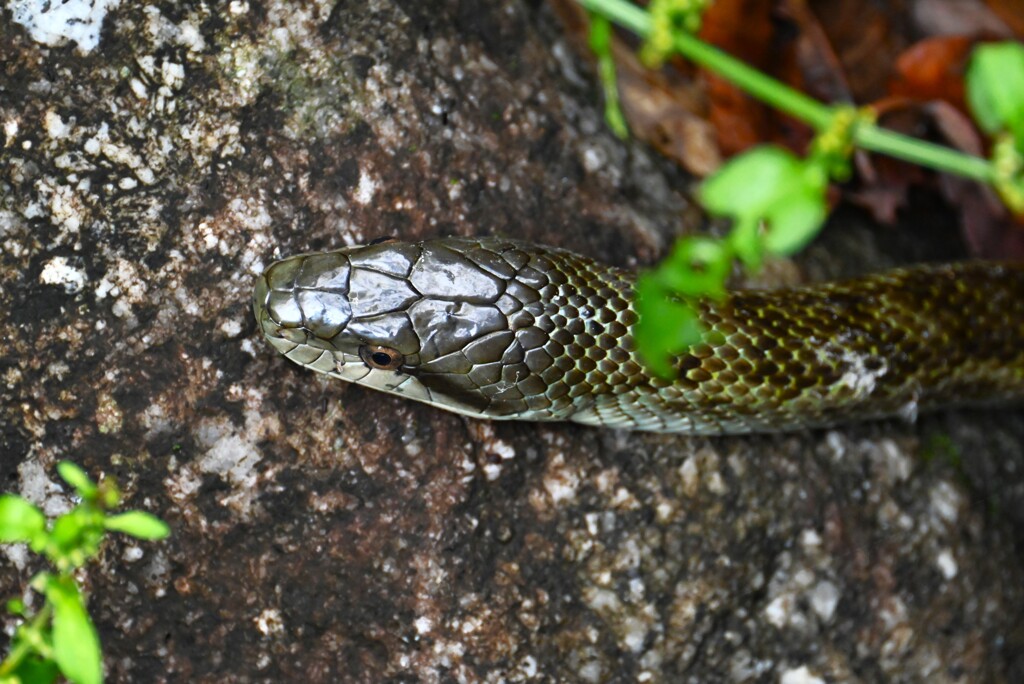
352	368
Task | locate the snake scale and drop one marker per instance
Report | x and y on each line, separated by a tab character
503	329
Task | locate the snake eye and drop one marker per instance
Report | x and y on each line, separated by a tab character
383	358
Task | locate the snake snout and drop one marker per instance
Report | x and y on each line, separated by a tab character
304	296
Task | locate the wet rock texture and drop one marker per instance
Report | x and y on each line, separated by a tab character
325	533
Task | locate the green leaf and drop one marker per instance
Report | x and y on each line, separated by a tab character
794	223
76	536
20	521
68	528
995	88
769	186
697	266
666	325
77	478
16	606
138	524
35	670
745	239
751	182
76	645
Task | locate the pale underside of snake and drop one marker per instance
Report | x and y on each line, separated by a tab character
502	329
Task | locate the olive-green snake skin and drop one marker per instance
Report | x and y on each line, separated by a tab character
503	329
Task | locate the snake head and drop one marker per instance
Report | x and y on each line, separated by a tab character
450	322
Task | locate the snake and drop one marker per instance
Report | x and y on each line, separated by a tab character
501	329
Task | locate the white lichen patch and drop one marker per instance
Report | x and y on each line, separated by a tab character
366	188
125	285
160	30
229	452
780	610
109	416
269	622
37	487
894	464
798	596
824	599
946	563
155	419
54	125
945	502
57	271
242	63
702	467
181	486
632	623
55	23
689	476
172	74
423	624
560	481
158	572
102	144
132	553
61	203
17	554
231	328
242	231
800	675
10	128
496	451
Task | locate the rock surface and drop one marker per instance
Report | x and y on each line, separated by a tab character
325	533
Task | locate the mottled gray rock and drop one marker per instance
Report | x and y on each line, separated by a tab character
325	533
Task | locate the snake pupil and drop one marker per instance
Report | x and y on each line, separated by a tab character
383	358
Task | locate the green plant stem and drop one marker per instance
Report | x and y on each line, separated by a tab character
924	154
24	647
794	103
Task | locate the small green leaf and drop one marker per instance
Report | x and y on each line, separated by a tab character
751	182
995	88
76	645
20	521
697	266
666	325
77	478
138	524
793	224
68	528
75	536
34	670
16	606
769	186
745	239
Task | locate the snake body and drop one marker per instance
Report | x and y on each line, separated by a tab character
503	329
